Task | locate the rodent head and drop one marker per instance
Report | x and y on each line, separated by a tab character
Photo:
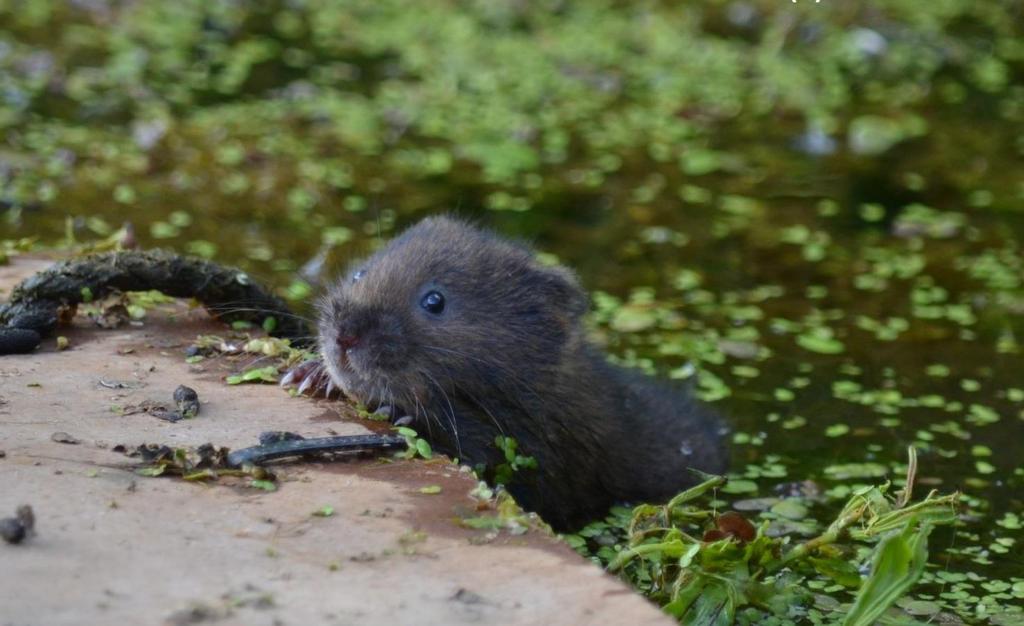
447	310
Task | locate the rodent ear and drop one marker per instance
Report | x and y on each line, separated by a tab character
565	289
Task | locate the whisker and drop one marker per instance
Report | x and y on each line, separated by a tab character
509	373
451	408
228	308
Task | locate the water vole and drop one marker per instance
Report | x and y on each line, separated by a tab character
467	333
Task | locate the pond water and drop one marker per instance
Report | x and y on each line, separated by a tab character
815	212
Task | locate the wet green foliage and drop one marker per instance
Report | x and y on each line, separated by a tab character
514	462
267	374
708	568
810	212
414	446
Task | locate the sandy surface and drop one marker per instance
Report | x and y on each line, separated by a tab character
113	547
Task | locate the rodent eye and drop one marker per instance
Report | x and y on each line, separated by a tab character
433	302
359	274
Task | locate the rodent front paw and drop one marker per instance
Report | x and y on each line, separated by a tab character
312	379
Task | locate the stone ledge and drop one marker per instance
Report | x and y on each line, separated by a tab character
113	547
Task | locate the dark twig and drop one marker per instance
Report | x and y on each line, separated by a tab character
260	454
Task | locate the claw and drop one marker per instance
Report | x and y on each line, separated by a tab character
312	379
288	378
405	420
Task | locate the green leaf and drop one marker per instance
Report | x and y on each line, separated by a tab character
840	570
687	558
685	596
673	549
899	560
269	324
709	483
715	606
739	486
633	318
790	508
820	340
266	374
483	522
423	448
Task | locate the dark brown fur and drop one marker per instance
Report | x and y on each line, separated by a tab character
508	356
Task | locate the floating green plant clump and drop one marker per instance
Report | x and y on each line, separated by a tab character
708	568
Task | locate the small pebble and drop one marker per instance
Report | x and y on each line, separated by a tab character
12	530
16	529
187	401
63	437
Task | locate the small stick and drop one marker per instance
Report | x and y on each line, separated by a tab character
260	454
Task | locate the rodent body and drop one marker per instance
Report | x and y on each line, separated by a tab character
473	338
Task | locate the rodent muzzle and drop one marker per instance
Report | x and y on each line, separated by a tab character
351	331
367	354
346	343
366	339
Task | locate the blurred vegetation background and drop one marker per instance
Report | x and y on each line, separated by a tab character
317	118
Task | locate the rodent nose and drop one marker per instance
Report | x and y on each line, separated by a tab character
347	342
